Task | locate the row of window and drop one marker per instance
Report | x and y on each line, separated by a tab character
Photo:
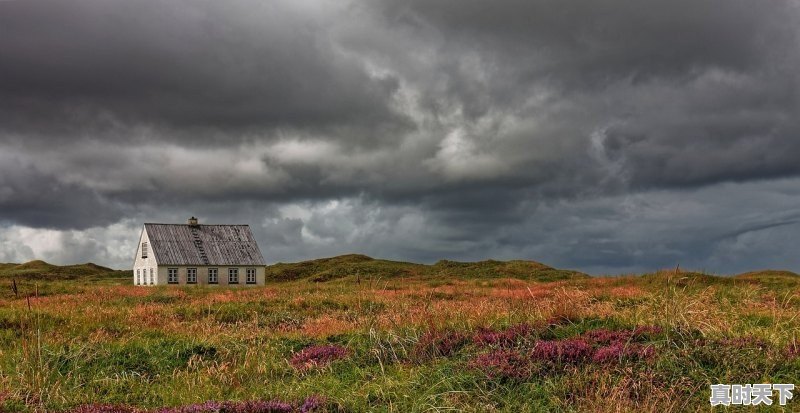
213	276
141	277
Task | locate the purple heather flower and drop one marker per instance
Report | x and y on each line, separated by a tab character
745	342
620	351
312	404
603	336
506	338
102	408
503	364
565	351
317	356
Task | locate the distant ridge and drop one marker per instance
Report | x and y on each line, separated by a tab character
325	269
40	270
767	274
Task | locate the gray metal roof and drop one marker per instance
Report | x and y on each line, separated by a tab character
180	244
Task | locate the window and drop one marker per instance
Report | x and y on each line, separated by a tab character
144	250
212	276
191	275
251	275
151	276
172	275
138	277
233	276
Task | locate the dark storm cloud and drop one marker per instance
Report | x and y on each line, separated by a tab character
187	66
687	92
29	197
584	133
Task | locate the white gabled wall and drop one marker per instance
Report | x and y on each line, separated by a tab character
145	265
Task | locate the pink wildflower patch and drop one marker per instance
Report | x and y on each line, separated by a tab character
619	351
562	351
102	408
318	356
505	338
309	405
603	336
503	364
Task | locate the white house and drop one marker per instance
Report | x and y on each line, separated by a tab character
197	254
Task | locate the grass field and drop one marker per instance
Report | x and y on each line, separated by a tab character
355	334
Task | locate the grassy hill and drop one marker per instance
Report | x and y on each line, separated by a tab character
42	271
355	265
768	274
450	336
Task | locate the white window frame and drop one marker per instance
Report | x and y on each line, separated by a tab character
138	277
213	275
233	276
172	275
251	276
144	250
191	276
151	276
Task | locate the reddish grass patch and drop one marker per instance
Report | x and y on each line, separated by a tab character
618	351
605	336
318	356
503	364
310	404
102	408
573	350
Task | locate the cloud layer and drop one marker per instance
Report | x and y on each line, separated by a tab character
609	136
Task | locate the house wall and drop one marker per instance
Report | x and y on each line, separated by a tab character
202	274
145	264
161	273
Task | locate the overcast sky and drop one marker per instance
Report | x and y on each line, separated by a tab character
609	136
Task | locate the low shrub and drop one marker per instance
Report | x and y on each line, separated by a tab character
102	408
605	336
310	404
562	351
505	338
318	356
503	365
617	352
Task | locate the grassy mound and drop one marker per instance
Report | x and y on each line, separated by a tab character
512	269
768	274
355	265
325	269
40	270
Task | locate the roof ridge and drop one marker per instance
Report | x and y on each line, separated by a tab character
200	225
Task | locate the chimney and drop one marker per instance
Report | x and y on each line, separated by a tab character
193	221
